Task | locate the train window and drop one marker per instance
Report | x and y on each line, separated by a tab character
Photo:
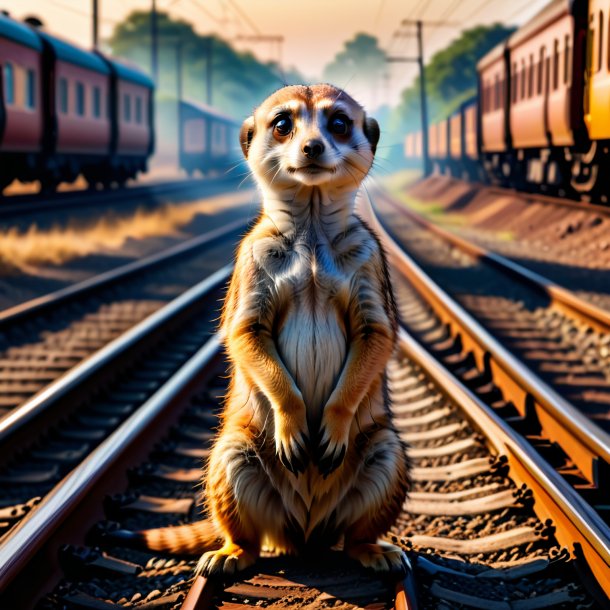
522	96
63	95
97	102
530	79
496	103
590	40
138	109
555	64
80	99
513	82
502	92
540	71
9	83
600	42
30	89
127	107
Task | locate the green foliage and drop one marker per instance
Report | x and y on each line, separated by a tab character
360	61
239	80
451	77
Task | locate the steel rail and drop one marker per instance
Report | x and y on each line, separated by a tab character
56	391
561	298
21	543
22	204
40	304
555	499
583	206
586	444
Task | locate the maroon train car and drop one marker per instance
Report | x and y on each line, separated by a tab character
21	118
65	111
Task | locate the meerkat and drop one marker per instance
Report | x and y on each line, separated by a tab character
306	455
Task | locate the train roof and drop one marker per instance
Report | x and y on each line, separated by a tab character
131	73
551	12
19	32
200	108
66	51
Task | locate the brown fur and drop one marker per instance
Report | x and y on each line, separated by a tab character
306	455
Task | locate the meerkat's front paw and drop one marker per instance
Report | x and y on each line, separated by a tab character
291	440
380	557
229	559
333	440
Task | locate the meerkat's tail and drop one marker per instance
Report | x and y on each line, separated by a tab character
190	539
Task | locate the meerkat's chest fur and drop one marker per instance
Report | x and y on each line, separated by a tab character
311	276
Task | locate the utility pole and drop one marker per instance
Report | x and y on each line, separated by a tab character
154	59
95	24
422	98
419	60
208	70
179	100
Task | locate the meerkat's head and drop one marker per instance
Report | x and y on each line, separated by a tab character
311	136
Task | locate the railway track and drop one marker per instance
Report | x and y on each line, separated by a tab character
561	337
489	523
66	361
469	529
564	240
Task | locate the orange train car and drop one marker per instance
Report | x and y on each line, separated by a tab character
542	117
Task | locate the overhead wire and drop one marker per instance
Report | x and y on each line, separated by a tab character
80	12
206	11
244	16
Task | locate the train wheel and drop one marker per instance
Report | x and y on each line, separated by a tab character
586	176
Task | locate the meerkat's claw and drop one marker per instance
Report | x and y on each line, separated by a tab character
294	457
229	559
330	457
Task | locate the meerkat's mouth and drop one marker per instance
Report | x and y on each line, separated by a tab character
311	168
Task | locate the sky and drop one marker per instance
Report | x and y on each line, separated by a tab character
314	31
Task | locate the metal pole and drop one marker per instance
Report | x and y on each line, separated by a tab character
208	71
422	93
95	24
154	60
179	100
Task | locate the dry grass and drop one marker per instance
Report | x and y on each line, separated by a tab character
35	247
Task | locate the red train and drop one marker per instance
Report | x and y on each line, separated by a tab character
541	120
65	111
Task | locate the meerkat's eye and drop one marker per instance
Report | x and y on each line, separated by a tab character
340	124
282	125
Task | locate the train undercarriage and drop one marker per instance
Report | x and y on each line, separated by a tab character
559	171
98	171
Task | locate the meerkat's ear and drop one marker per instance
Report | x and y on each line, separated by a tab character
371	131
245	135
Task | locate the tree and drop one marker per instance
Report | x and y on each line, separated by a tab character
239	80
361	61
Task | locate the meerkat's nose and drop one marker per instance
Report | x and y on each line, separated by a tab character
313	149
